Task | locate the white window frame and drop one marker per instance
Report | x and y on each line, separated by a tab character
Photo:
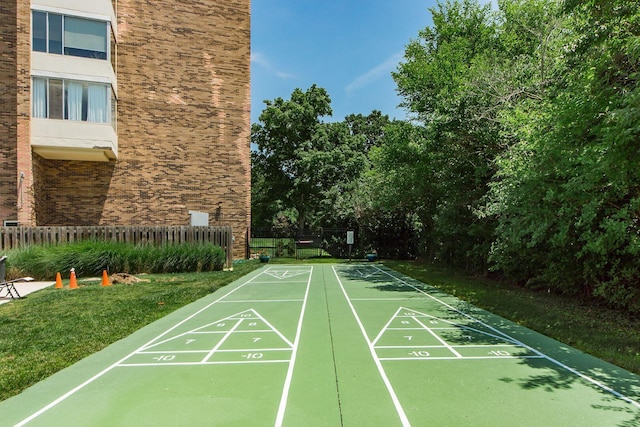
89	17
109	119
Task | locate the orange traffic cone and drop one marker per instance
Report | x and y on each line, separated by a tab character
73	283
58	281
105	278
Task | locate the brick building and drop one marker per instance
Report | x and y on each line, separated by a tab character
125	112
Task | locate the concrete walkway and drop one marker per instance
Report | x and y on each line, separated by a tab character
25	288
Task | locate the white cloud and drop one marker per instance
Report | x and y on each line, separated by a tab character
377	72
261	60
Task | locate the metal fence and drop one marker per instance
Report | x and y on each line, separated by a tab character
15	237
299	244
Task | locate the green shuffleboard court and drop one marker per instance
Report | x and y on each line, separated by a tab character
332	345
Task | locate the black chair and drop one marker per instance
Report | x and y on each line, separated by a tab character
8	286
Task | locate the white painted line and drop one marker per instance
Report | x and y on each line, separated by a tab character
109	368
408	346
385	326
384	299
287	382
217	346
230	362
458	326
286	274
440	346
291	282
515	341
274	329
464	358
261	300
444	343
237	316
174	351
253	350
364	275
403	416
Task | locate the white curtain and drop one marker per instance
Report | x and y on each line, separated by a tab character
39	90
74	100
97	108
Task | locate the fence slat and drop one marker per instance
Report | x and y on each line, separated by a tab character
15	237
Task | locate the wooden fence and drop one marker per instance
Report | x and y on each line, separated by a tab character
14	237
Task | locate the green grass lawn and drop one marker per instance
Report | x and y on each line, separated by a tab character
54	328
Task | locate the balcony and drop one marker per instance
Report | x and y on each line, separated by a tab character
71	140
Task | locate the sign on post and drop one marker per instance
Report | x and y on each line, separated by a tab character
349	237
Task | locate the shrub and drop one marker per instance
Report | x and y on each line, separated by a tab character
90	257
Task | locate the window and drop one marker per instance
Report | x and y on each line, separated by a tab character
39	89
68	35
85	38
72	100
55	33
114	111
39	32
56	102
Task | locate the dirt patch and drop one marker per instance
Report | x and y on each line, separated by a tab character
126	278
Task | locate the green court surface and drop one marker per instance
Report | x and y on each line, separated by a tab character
331	345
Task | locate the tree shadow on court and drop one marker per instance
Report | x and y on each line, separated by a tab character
365	273
553	376
391	287
383	280
555	379
614	385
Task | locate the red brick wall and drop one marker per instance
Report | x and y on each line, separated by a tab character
26	214
15	150
71	193
183	124
8	110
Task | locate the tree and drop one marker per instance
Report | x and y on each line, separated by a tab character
305	169
393	201
283	136
566	195
438	81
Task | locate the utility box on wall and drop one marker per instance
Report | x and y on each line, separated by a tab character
199	219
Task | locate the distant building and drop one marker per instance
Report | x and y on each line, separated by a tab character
125	112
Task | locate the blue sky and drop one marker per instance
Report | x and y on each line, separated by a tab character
348	47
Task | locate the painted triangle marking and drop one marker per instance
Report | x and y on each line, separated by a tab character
243	337
285	274
428	323
223	326
365	275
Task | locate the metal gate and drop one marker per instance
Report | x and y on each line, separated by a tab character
299	244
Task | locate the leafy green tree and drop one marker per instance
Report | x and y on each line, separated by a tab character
304	169
439	82
284	136
393	201
567	194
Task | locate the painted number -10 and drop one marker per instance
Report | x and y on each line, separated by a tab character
420	353
165	358
252	356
